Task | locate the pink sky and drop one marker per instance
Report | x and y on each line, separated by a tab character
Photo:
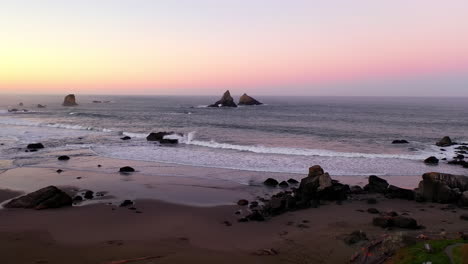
205	46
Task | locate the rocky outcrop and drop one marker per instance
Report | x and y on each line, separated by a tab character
160	137
247	100
48	197
441	188
41	106
225	101
317	186
445	142
69	100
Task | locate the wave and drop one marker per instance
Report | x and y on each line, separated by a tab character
188	139
22	122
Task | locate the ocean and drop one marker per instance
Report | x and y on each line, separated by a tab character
347	136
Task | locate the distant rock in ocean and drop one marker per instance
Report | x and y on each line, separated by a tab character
225	101
69	100
247	100
41	106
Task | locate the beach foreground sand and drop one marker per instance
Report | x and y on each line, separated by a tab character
189	219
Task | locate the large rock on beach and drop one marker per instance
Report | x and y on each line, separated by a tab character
69	100
225	101
445	142
441	187
48	197
247	100
401	193
376	185
400	141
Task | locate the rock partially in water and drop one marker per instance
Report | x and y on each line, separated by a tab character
432	160
160	137
127	169
35	146
63	158
445	142
271	182
247	100
400	141
225	101
48	197
125	138
69	100
126	203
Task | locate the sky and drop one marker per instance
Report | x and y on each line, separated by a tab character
262	47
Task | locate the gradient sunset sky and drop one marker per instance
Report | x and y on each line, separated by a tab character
297	47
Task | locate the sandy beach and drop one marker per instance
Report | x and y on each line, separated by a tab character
178	216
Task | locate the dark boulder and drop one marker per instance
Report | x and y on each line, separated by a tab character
225	101
271	182
126	203
293	181
441	187
125	138
283	184
400	141
160	137
445	142
69	100
35	146
373	211
63	158
77	199
48	197
432	160
356	189
397	192
89	195
41	106
376	185
247	100
127	169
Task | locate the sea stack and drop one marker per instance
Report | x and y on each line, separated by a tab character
247	100
225	101
69	100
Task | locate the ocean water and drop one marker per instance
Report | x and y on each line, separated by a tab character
348	136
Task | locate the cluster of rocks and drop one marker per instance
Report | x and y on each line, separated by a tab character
227	101
460	151
161	137
317	186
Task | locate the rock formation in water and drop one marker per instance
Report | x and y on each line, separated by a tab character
445	142
247	100
69	100
225	101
